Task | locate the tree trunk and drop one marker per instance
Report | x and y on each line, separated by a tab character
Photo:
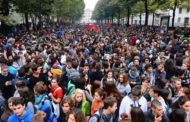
5	7
119	16
5	12
128	15
174	9
153	19
140	16
146	12
112	19
26	21
131	19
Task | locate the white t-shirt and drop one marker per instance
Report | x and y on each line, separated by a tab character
127	103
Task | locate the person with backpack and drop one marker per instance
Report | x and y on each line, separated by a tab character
107	113
56	95
42	102
135	99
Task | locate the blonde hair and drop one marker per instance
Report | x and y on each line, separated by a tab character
79	91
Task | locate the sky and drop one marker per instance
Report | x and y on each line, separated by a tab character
90	4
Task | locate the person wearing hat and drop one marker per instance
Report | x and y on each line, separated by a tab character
56	73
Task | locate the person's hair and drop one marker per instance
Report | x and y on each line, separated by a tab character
40	88
147	66
98	67
105	64
137	115
182	100
111	89
16	58
146	57
4	66
155	103
39	117
109	102
179	61
179	72
169	64
20	83
125	77
78	114
136	92
25	93
18	100
9	62
174	79
74	64
162	83
157	90
133	68
35	67
145	78
21	72
186	91
10	100
178	115
68	100
109	72
79	91
100	92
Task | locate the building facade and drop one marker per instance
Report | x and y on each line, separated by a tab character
87	16
182	18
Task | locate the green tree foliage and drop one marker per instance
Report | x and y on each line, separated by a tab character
137	7
68	10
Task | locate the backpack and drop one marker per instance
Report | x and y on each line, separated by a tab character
2	105
55	115
97	115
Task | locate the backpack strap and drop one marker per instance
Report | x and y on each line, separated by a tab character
97	116
51	105
57	89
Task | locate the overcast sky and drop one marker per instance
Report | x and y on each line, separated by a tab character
90	4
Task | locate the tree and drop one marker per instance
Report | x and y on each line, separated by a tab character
138	8
68	10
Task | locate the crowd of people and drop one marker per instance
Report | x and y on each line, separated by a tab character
73	74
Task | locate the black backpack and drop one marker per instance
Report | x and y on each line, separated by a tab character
2	105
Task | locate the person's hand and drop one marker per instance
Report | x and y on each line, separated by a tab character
133	82
88	87
8	83
51	95
158	118
124	116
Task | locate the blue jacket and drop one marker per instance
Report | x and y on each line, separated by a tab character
26	118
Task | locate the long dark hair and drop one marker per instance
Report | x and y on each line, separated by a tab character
111	90
137	115
178	115
79	116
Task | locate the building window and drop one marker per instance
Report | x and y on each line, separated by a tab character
186	21
179	19
188	10
180	10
